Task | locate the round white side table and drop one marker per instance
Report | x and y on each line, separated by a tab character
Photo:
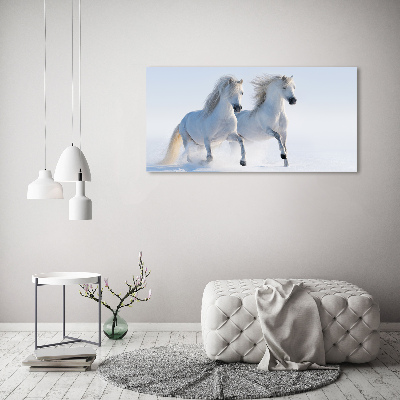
62	279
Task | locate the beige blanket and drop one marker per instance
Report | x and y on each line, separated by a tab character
291	327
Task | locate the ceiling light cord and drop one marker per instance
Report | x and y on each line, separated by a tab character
44	84
72	69
79	88
44	187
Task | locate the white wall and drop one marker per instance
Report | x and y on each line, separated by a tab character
192	228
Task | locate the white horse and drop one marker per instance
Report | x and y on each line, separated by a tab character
212	125
268	118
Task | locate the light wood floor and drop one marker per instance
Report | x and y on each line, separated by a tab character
379	379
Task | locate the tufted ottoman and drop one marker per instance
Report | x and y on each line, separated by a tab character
231	330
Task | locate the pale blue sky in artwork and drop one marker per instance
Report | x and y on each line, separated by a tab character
324	118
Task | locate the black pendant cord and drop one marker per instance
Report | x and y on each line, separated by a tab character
44	84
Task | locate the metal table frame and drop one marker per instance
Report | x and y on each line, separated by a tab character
73	339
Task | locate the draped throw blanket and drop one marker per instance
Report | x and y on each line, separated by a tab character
291	327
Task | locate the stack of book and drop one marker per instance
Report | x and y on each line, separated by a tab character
77	359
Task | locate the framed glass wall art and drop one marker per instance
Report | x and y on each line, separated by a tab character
251	119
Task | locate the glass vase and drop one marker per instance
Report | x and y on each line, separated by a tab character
115	327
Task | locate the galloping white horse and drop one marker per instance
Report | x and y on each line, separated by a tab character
268	118
212	125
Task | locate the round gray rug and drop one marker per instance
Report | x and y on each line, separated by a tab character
185	371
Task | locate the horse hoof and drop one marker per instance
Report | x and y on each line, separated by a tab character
286	163
209	159
242	163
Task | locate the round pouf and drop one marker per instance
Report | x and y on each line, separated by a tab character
185	371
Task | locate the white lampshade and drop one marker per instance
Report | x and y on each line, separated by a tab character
71	161
44	187
80	206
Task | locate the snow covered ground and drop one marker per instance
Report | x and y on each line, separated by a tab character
261	157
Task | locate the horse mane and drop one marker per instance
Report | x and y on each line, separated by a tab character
213	98
261	84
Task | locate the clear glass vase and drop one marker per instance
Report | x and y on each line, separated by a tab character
115	327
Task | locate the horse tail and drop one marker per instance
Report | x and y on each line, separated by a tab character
173	148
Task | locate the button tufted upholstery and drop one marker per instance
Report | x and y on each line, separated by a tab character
231	330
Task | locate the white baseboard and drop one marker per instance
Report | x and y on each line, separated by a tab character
92	327
390	326
138	327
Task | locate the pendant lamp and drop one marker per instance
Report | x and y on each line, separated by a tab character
44	186
80	206
72	165
72	162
